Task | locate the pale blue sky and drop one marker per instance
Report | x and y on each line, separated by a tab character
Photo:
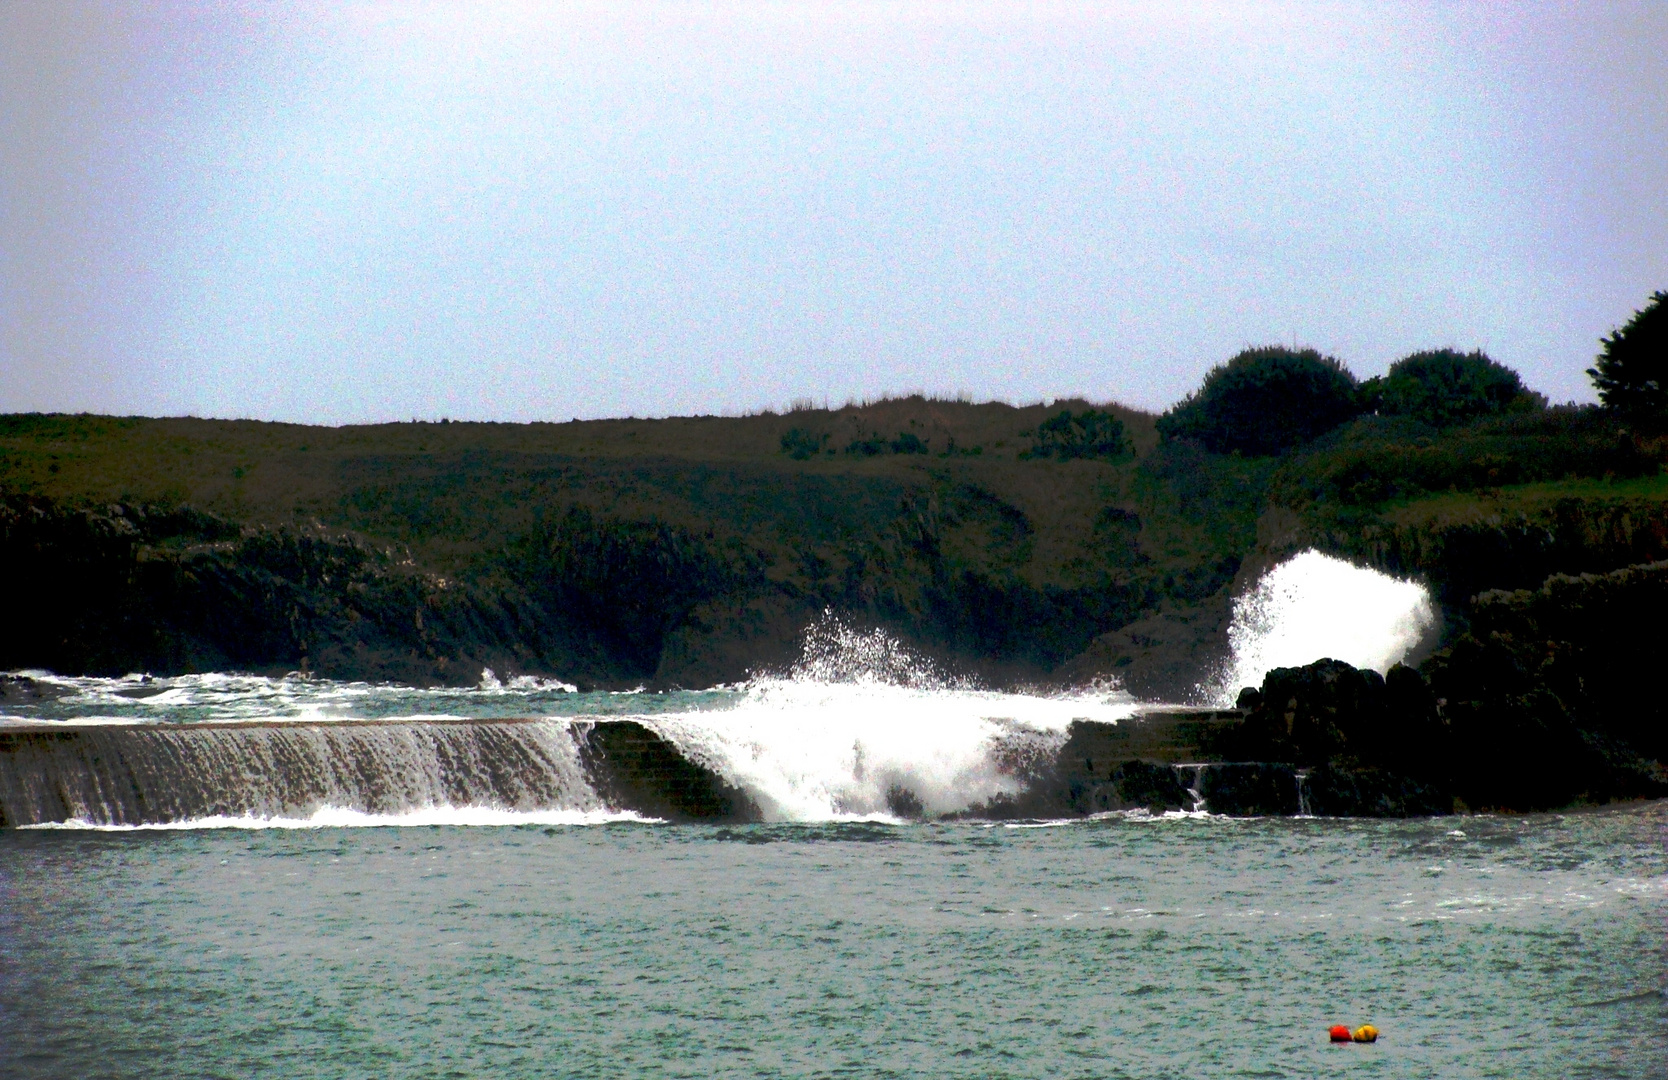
339	213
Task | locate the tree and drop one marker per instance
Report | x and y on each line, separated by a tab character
1265	400
1444	388
1632	370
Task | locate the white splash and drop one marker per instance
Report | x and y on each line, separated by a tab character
861	729
1315	606
491	684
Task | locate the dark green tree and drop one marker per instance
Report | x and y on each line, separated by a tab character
1632	370
1265	400
1444	388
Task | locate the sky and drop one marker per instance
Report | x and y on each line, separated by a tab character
353	212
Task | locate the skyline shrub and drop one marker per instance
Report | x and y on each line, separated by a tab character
802	445
1264	401
875	445
1445	388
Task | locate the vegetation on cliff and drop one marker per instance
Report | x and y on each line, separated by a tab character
684	550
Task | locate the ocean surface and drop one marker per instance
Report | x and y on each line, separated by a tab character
1119	947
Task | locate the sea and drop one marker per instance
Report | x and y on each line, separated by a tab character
398	926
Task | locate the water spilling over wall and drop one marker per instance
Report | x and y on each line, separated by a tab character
1314	606
132	774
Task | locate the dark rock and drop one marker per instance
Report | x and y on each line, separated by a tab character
1125	766
1249	698
1106	767
1250	789
1311	714
904	803
1332	791
1548	700
1150	786
632	768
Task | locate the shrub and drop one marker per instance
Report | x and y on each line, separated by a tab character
1264	401
1091	434
874	445
907	443
802	445
1632	371
1445	388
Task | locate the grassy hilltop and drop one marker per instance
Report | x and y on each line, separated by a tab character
1058	543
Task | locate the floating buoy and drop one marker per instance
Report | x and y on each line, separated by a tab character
1339	1033
1365	1033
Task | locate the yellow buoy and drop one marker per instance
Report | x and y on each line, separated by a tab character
1365	1033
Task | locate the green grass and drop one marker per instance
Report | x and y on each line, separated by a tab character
1455	507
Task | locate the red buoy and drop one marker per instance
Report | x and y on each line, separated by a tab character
1340	1033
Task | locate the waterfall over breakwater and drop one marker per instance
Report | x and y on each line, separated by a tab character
129	775
1314	606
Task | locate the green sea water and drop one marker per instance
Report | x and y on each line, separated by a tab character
1121	947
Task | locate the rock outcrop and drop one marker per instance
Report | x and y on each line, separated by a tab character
1546	701
632	768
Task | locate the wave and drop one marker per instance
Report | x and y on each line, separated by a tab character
1314	606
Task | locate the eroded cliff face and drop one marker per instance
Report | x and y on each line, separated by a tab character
124	588
601	601
696	551
685	551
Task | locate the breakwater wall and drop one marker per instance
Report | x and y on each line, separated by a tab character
163	773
